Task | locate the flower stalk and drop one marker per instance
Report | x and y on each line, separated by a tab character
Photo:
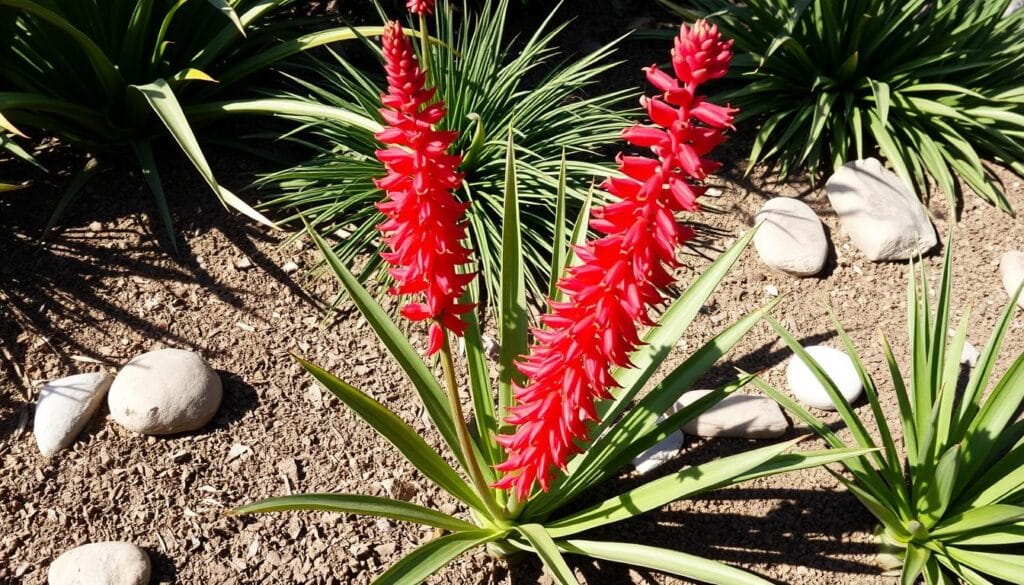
465	441
425	45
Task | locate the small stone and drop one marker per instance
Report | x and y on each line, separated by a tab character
238	451
491	347
64	407
289	468
736	415
659	454
882	217
1011	268
771	290
969	355
790	237
294	527
95	227
837	365
399	489
1013	7
164	392
242	263
101	563
290	267
385	550
315	395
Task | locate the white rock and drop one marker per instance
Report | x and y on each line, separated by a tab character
1011	267
969	355
883	218
659	454
836	364
1013	7
790	237
64	407
165	391
491	347
101	563
290	267
736	415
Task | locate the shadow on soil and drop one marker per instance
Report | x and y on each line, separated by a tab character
799	527
66	277
806	528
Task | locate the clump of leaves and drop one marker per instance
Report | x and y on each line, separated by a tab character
951	503
542	524
935	87
110	76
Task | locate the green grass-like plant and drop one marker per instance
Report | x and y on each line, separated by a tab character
951	503
488	83
110	76
934	86
542	524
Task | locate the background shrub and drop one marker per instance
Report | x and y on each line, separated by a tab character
935	86
490	83
109	76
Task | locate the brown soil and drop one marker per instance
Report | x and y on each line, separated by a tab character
112	293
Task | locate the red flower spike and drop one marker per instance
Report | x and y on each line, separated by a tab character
421	6
425	225
622	273
700	54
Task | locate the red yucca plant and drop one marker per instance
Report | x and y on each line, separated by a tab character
589	358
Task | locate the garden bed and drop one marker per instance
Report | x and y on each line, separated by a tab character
105	288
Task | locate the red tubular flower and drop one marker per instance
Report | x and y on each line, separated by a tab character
425	225
421	6
623	272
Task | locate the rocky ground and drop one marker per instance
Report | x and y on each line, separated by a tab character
105	288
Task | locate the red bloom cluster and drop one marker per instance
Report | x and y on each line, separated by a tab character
623	272
421	6
425	225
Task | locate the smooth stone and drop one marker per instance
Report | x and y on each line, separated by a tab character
882	217
1013	7
969	355
737	415
659	454
101	563
1011	268
64	407
836	364
790	237
165	391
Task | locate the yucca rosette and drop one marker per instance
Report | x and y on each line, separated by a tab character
622	273
425	224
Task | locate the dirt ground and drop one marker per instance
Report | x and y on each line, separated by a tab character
105	288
